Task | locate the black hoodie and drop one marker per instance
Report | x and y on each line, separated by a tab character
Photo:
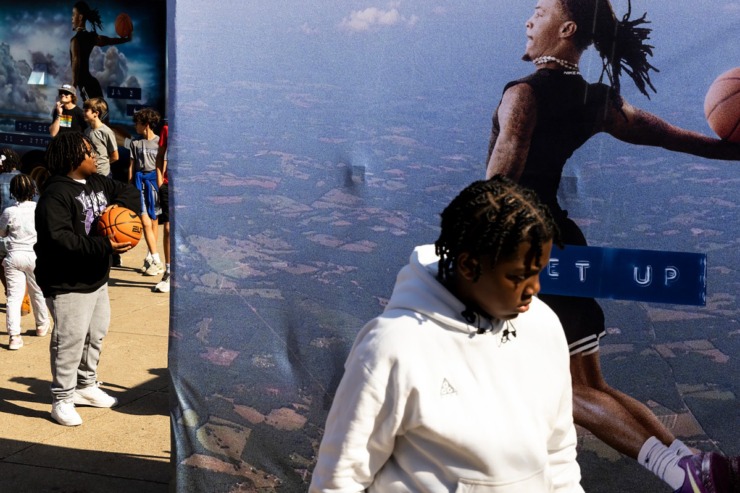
70	255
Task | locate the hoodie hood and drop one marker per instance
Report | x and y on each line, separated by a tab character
417	289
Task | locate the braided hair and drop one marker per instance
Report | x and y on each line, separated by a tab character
492	218
91	15
9	160
621	44
22	187
66	152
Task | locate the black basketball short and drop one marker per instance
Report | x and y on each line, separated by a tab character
582	318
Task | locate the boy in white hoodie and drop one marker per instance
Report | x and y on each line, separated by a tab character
463	383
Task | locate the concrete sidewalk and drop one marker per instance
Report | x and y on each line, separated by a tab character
126	448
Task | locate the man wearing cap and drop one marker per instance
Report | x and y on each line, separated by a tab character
67	116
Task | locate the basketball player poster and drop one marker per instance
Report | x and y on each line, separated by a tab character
316	146
49	43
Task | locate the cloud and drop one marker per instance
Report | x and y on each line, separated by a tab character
373	17
307	29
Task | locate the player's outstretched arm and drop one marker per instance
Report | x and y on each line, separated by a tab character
637	126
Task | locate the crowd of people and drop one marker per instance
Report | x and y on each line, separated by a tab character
53	259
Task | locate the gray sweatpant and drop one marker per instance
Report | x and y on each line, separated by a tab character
80	323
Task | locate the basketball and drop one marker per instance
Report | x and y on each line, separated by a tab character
124	26
722	105
121	225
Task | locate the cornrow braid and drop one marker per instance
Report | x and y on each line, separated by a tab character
492	218
622	45
66	152
22	187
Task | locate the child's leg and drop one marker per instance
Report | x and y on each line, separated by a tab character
87	372
16	281
151	240
166	242
40	312
155	230
72	313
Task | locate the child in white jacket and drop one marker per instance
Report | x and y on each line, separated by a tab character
17	224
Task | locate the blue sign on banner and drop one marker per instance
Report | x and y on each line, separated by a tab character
640	275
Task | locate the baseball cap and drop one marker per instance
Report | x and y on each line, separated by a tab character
68	88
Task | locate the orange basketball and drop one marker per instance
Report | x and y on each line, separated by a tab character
124	26
121	225
722	105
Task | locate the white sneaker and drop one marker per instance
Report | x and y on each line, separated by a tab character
93	396
163	286
15	342
155	269
64	413
42	330
146	265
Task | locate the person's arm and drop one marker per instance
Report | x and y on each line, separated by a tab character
637	126
55	220
123	194
56	114
360	430
74	58
107	41
4	221
517	116
112	147
161	164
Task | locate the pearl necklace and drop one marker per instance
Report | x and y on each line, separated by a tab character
572	67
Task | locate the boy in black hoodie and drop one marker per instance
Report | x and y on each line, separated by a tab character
72	269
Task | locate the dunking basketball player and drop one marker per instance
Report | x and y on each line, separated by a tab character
541	120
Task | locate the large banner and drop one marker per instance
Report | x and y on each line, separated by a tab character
314	144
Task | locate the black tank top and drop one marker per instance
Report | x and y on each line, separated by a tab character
569	112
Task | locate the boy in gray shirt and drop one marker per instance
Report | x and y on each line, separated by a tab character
100	134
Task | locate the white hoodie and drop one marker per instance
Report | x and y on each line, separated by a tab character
428	405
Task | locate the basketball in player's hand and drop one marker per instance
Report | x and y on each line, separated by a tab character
121	225
722	105
124	26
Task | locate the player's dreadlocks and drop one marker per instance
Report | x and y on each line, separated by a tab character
66	152
621	44
91	15
492	218
22	187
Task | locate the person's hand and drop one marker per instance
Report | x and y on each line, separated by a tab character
120	247
59	108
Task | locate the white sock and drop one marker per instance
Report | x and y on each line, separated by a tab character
661	461
155	259
680	449
148	256
167	268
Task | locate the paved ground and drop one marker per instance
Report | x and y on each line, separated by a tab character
123	449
